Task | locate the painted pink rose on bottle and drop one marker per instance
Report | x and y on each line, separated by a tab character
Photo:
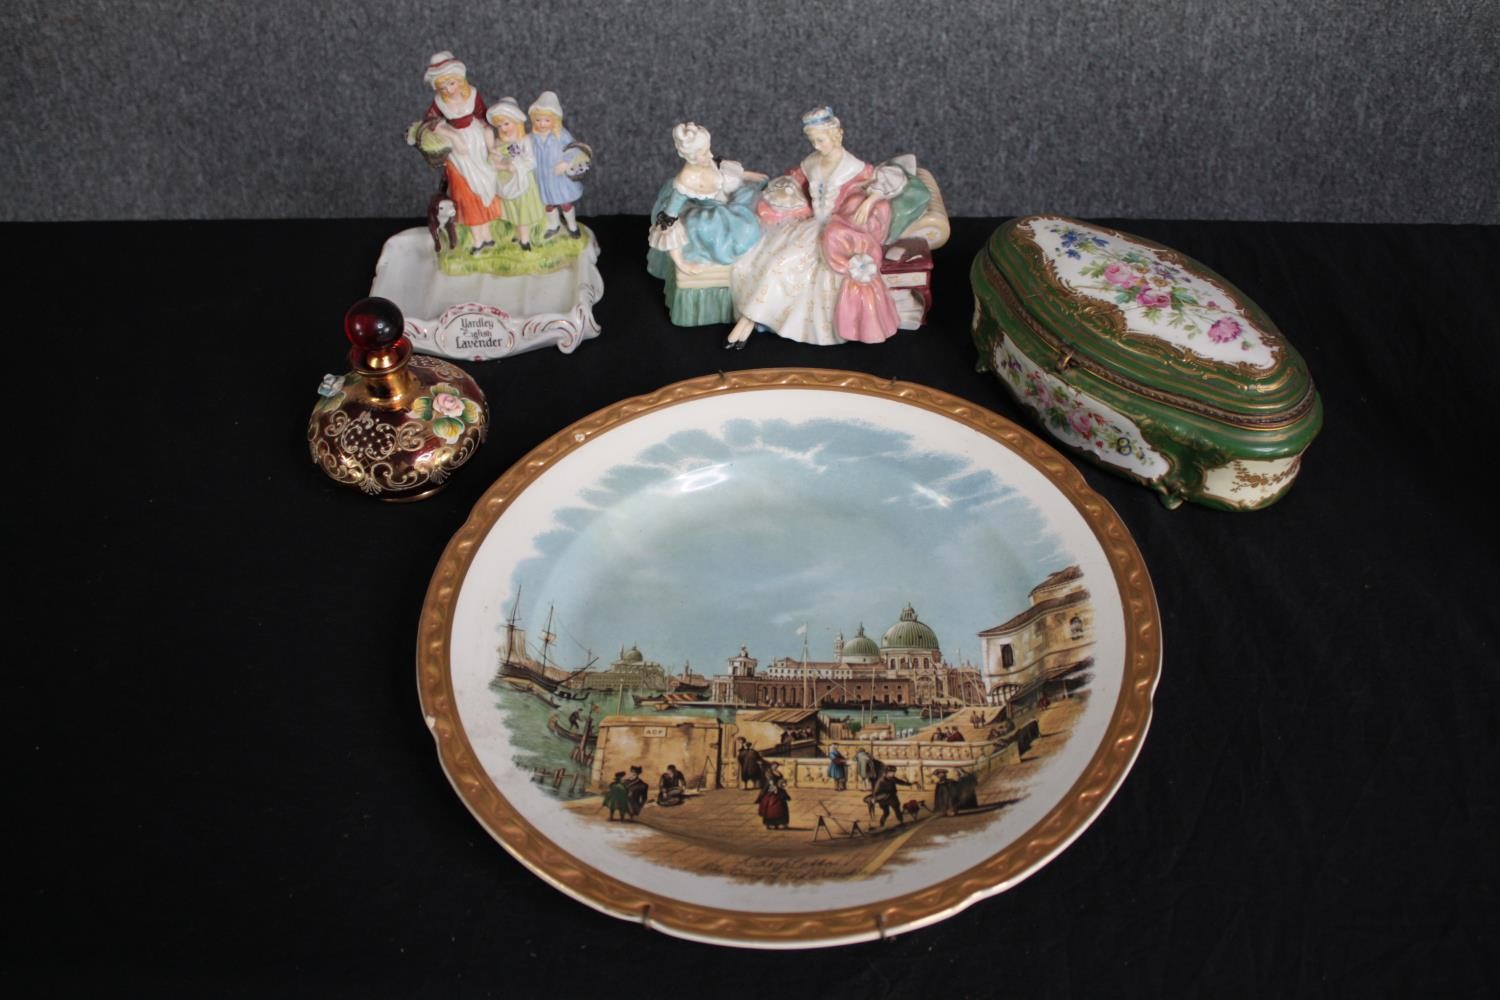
1155	298
448	410
448	405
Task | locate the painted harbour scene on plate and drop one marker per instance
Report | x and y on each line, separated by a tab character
786	651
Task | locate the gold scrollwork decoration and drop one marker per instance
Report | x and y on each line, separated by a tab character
1245	479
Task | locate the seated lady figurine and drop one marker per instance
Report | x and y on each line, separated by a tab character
706	215
703	221
815	274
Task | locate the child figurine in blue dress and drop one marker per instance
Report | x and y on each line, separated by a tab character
559	160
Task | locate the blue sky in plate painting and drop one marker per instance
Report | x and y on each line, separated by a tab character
713	539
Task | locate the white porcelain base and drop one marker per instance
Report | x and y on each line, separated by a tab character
481	317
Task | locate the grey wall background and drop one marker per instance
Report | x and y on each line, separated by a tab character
1249	109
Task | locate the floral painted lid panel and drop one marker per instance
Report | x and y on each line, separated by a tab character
1156	293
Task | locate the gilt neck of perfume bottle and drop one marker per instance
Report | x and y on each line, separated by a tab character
386	382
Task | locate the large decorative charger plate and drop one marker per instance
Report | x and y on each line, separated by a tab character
789	658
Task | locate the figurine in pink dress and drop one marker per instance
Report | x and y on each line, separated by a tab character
815	275
456	121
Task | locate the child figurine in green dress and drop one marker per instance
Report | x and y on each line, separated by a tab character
514	160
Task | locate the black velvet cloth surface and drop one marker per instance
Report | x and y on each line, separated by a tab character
221	783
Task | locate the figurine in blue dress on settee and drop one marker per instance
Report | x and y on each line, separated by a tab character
703	221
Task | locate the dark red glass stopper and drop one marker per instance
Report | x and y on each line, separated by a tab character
374	323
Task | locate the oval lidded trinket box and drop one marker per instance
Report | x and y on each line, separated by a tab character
1145	361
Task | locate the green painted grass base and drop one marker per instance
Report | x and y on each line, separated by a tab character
508	260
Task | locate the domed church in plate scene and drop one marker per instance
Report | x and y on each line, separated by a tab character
905	669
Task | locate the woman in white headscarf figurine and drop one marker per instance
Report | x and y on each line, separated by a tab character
515	162
454	130
559	161
706	214
815	275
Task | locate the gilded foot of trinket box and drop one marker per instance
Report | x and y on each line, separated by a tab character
1144	361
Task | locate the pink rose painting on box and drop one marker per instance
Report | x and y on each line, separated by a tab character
1154	298
1224	330
1083	421
1069	414
1144	285
1120	275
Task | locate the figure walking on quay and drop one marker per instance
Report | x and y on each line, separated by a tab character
886	797
752	768
838	768
617	799
770	774
868	768
637	790
773	808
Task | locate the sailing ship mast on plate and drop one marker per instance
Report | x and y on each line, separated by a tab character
803	630
548	637
516	666
510	627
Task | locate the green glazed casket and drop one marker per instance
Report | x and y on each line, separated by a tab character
1144	361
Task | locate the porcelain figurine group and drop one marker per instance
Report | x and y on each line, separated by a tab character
839	250
835	250
507	190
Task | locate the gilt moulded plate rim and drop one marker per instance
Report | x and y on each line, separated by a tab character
1063	823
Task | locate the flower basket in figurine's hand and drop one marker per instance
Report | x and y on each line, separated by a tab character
430	142
580	159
